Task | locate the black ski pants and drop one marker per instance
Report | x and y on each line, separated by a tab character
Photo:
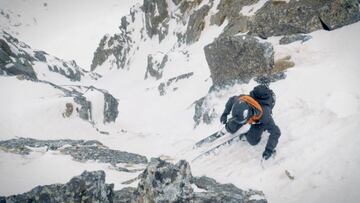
253	136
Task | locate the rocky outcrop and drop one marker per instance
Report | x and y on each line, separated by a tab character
80	150
160	182
303	16
21	145
111	111
116	47
156	17
196	24
17	58
165	182
87	187
156	64
238	58
164	86
13	60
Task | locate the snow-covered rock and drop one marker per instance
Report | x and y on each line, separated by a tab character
165	182
87	187
18	58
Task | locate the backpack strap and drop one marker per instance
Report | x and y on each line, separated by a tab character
252	102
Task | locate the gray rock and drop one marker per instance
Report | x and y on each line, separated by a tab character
15	63
303	16
156	64
196	24
111	111
156	17
70	70
21	145
40	55
165	85
110	105
238	58
104	155
124	195
85	110
165	182
88	187
287	39
118	46
160	182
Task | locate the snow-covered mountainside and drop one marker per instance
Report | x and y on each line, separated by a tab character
158	82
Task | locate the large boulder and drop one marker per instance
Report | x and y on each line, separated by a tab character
303	16
88	187
238	58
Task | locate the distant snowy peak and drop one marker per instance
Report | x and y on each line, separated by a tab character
18	58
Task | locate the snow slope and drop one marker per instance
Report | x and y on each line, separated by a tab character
317	110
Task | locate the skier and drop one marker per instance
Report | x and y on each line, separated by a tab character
254	109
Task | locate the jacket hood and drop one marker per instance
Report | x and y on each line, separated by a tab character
262	94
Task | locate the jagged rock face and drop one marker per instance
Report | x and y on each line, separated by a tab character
238	58
88	187
303	16
156	64
15	63
117	46
111	111
229	9
156	13
162	181
85	108
17	58
165	182
196	24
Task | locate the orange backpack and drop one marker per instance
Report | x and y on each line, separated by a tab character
251	101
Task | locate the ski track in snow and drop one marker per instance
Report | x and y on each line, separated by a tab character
317	110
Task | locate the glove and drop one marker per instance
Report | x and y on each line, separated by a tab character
223	118
267	154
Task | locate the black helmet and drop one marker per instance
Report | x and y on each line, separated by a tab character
241	111
261	92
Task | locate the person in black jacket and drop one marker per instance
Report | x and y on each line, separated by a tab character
254	109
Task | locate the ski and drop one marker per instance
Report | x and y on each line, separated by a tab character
210	138
227	142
